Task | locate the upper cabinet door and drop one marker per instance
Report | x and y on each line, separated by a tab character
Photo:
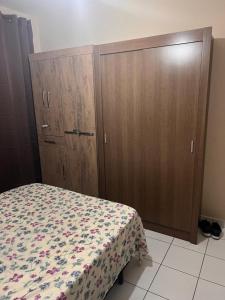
68	88
47	97
77	90
83	67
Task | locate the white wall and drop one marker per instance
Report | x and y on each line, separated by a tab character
89	21
35	26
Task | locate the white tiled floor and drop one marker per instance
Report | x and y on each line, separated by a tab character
178	271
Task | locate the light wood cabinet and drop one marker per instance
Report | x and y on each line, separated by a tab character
63	87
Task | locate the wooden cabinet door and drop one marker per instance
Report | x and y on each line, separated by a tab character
52	154
83	66
77	90
89	174
81	164
84	78
47	97
150	102
73	163
68	89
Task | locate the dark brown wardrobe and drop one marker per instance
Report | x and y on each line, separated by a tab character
150	100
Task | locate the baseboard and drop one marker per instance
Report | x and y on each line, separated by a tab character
211	219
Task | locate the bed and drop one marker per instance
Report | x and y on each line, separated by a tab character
58	244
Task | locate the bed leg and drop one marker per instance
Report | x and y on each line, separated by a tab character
120	278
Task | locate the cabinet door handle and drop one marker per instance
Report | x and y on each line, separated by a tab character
44	126
78	132
86	133
48	99
74	131
43	97
49	142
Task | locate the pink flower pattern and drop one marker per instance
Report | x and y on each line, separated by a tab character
65	246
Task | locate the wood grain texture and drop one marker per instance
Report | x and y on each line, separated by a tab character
73	163
70	80
89	49
153	98
77	92
81	164
89	170
99	125
47	97
68	90
83	68
177	38
52	161
149	126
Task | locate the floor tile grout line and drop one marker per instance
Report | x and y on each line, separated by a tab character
159	267
179	271
149	237
203	252
145	295
168	267
212	282
145	290
223	259
200	270
155	295
189	249
136	285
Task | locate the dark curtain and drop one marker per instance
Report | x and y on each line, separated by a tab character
19	156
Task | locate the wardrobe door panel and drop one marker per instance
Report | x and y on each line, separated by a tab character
53	98
149	113
121	81
77	90
73	163
47	96
68	87
83	67
173	89
52	154
81	164
89	171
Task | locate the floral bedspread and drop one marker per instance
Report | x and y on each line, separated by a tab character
57	244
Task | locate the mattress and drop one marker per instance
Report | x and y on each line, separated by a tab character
58	244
